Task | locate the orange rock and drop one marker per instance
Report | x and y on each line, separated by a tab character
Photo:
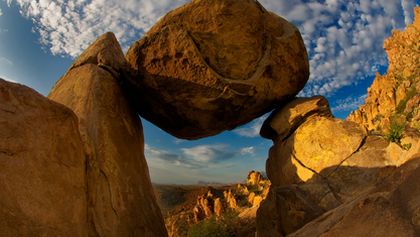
120	195
210	66
42	163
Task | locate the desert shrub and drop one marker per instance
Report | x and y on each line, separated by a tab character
406	146
396	130
213	227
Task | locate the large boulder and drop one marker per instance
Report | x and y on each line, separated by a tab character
121	198
319	163
42	166
212	65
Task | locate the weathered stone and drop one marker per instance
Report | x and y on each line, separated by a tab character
42	163
284	121
390	209
326	164
210	66
318	143
120	194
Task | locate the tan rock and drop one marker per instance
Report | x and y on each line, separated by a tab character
391	209
42	163
318	143
230	199
257	201
284	121
218	207
251	198
120	194
210	66
254	178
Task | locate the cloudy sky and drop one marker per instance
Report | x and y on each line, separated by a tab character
344	38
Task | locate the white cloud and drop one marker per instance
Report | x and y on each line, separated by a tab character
408	6
247	150
1	12
349	103
5	62
66	27
196	157
208	153
343	38
253	129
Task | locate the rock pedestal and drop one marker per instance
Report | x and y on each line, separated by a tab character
121	200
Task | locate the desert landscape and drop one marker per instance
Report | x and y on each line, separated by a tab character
73	162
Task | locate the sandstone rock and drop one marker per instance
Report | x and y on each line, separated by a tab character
318	143
210	66
284	121
391	209
120	194
257	201
42	163
254	178
230	199
324	164
218	207
396	92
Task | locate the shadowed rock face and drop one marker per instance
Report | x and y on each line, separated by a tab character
42	166
120	195
210	66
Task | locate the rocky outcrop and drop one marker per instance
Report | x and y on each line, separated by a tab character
322	164
121	200
390	208
42	163
218	204
254	178
210	66
393	100
284	121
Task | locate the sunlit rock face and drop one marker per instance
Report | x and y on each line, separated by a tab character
319	163
42	163
210	66
121	200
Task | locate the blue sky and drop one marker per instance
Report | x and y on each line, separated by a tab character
39	39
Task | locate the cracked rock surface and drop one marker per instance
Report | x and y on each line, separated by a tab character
325	163
210	66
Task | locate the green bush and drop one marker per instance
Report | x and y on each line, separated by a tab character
395	131
208	228
214	228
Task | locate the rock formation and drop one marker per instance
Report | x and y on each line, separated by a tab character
217	203
121	200
319	163
210	66
393	99
389	207
42	163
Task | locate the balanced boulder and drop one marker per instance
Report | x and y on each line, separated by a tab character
210	66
